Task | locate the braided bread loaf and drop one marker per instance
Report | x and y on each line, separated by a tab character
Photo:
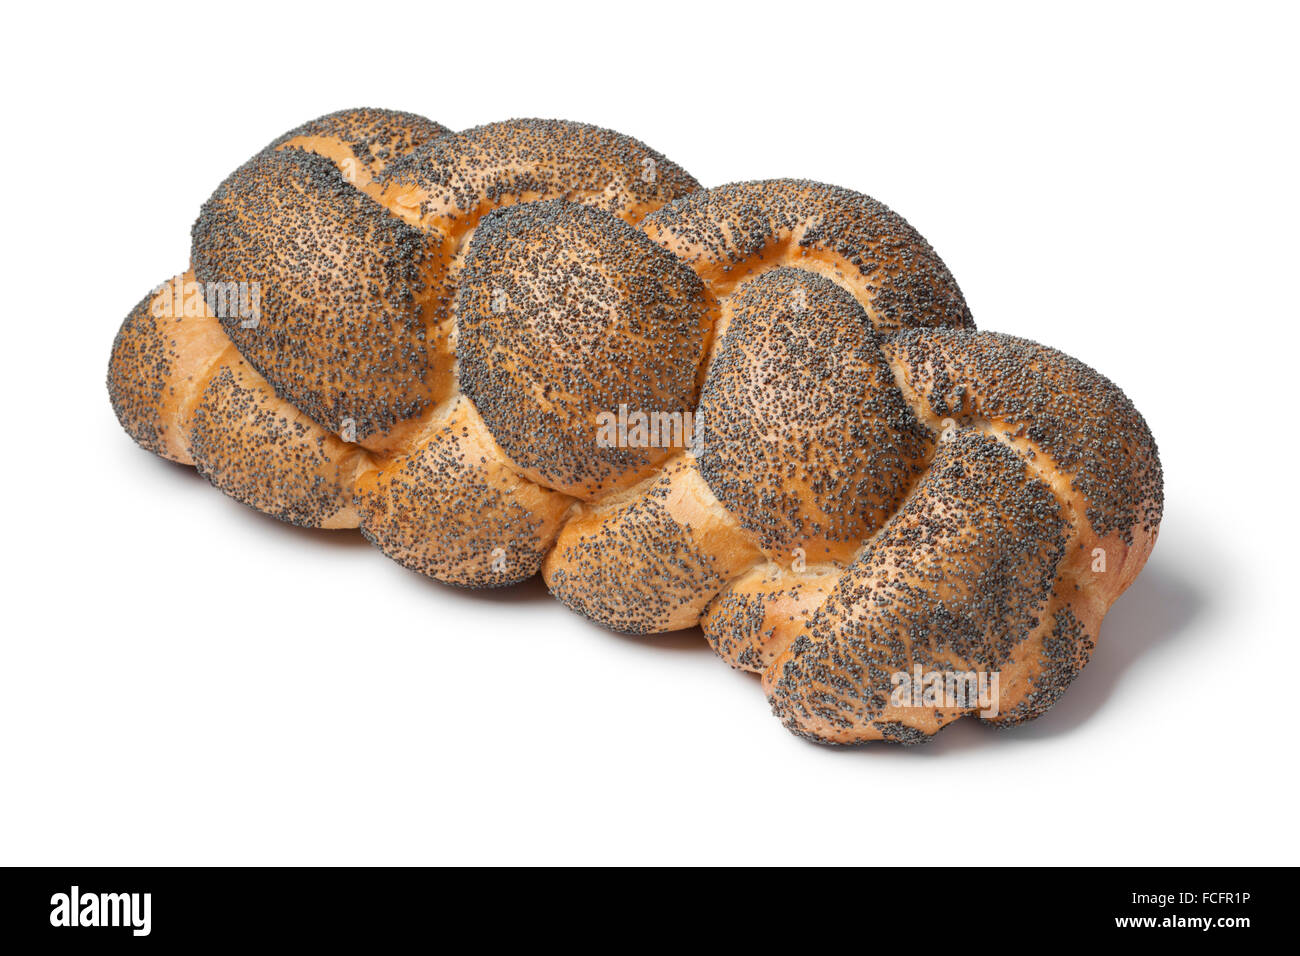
442	324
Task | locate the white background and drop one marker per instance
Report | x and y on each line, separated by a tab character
183	680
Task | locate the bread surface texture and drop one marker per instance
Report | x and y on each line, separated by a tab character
539	346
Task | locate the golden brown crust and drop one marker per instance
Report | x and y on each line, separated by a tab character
270	455
879	487
454	509
1020	422
730	234
651	559
298	195
343	331
806	493
259	449
567	315
362	142
161	357
1047	402
806	437
953	583
182	390
755	618
452	181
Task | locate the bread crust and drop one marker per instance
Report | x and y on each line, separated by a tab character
447	318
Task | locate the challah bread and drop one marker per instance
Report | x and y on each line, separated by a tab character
346	302
159	364
448	322
599	316
182	390
285	221
807	448
172	349
953	583
1040	506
